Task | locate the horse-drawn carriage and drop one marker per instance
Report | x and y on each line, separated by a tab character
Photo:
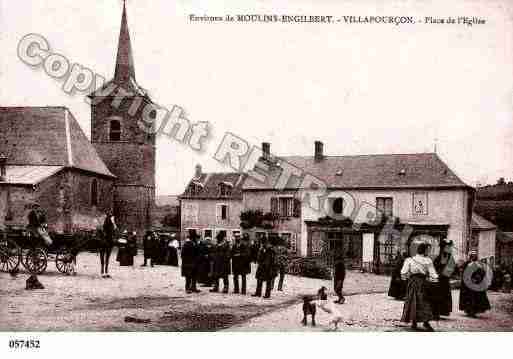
22	246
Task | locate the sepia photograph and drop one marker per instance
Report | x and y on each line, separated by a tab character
289	166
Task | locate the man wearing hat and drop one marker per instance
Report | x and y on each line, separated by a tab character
221	270
241	262
266	270
190	262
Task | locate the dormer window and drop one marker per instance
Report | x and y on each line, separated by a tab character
195	188
115	130
225	189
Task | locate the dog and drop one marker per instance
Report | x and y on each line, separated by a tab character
309	308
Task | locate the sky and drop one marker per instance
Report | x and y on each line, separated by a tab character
359	88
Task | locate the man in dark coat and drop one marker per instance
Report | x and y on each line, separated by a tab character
190	262
339	275
221	269
282	261
241	263
266	270
205	249
474	283
150	243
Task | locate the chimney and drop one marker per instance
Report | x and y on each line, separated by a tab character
3	172
266	150
197	173
318	155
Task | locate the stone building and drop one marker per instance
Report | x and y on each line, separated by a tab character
126	148
483	239
373	205
47	159
212	203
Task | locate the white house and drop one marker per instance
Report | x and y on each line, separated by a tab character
368	206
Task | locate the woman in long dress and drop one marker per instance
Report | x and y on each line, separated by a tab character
445	267
475	280
173	252
418	270
397	287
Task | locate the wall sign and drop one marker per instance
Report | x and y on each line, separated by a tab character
420	203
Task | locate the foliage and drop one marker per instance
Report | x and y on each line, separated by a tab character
171	220
311	267
256	218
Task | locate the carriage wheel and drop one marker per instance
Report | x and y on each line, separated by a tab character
9	257
36	260
64	262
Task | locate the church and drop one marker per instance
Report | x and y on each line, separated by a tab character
47	159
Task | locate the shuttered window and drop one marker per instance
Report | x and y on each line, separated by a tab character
385	206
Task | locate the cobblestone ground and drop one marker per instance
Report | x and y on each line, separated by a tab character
87	302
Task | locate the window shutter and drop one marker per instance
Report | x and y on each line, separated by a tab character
297	208
274	205
218	213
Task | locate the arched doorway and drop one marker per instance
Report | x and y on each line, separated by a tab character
434	241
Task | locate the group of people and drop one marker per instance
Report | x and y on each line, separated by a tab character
425	285
157	250
210	263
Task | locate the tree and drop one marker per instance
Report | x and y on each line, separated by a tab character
171	220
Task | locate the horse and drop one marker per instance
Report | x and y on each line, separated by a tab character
105	240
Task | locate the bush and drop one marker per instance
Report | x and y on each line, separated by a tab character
309	267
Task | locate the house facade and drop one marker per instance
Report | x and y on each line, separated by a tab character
47	159
369	207
212	203
484	239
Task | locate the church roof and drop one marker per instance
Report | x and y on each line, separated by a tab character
124	72
47	136
29	175
420	170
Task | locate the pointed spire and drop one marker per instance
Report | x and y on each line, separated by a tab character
124	61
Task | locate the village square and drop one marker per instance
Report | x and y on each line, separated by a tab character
299	242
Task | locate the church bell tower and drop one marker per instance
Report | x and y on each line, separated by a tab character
126	149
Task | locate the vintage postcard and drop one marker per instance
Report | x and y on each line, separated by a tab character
291	166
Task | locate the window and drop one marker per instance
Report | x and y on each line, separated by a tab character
385	206
225	190
420	203
285	206
222	212
194	188
115	130
94	192
338	205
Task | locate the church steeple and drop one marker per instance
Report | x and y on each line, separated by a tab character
124	62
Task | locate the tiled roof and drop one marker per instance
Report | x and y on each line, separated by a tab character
480	223
422	170
209	185
47	136
505	237
29	175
